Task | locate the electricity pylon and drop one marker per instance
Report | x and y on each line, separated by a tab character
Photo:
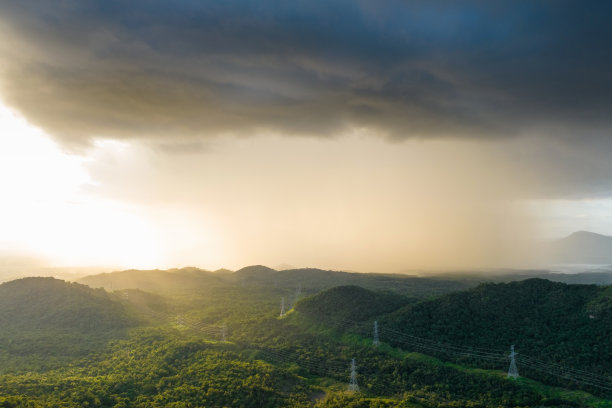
223	331
282	313
375	341
353	382
512	371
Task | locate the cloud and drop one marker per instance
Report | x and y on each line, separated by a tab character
161	69
179	74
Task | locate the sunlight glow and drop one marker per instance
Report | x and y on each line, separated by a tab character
45	208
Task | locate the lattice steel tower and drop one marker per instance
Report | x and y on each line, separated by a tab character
353	383
512	371
375	342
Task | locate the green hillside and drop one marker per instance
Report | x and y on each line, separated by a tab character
43	303
350	303
44	321
561	331
228	347
560	323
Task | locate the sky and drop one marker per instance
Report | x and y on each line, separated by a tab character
375	136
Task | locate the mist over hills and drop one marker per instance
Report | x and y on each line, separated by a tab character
308	279
311	280
156	280
573	274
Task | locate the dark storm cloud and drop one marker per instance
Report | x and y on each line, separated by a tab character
406	69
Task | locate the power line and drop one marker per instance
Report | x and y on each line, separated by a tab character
327	367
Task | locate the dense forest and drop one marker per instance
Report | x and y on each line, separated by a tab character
566	324
223	342
45	322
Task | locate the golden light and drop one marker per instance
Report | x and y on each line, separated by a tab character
46	210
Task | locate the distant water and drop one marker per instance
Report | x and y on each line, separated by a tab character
580	268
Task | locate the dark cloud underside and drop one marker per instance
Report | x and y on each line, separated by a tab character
406	69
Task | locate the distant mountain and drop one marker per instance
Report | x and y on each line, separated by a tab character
254	272
306	281
312	280
582	247
576	274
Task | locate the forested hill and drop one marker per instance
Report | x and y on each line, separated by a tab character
46	323
570	324
236	351
38	303
350	303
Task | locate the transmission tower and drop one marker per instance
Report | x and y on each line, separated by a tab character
353	382
375	342
223	332
512	371
282	313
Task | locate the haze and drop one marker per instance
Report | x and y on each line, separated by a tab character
360	136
